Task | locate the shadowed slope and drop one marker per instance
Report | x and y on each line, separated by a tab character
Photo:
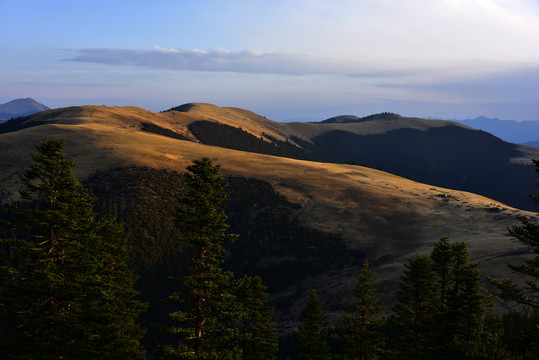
387	217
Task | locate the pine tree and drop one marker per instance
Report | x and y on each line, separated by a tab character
312	343
442	257
465	296
114	306
210	312
66	292
363	338
461	300
259	340
443	260
415	309
526	294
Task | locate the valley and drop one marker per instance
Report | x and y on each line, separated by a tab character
373	214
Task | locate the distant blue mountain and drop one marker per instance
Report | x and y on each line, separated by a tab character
519	132
20	107
533	143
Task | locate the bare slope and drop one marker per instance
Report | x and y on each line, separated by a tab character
388	217
239	118
312	130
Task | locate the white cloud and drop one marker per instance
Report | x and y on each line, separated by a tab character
256	61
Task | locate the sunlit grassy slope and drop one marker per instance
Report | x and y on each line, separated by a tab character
387	217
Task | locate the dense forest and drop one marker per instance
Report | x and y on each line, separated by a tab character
141	262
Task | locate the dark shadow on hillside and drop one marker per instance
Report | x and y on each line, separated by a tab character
37	119
211	133
272	243
182	108
156	129
449	156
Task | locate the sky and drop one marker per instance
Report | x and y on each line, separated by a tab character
285	59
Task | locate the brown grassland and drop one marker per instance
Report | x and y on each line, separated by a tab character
388	217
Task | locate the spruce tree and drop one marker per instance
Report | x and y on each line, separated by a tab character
258	337
442	257
525	293
415	309
460	312
363	339
66	290
465	296
528	293
208	311
312	342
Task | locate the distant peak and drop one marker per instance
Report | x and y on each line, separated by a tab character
382	116
182	108
342	119
21	107
190	106
483	118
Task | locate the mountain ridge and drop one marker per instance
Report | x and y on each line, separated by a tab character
438	152
520	132
383	216
20	107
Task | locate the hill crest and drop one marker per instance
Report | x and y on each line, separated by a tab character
344	119
386	217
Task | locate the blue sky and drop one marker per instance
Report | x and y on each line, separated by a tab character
290	59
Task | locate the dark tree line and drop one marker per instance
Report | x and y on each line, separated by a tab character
443	311
217	316
66	291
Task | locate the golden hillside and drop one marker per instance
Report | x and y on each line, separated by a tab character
386	216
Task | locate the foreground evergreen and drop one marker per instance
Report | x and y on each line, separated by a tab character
414	310
67	293
525	292
311	337
258	336
363	339
211	321
443	311
528	293
66	290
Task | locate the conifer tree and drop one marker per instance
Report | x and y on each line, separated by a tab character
258	337
442	257
209	313
312	342
363	338
527	234
526	294
414	310
66	290
460	311
465	296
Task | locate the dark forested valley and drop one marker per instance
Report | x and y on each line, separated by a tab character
181	248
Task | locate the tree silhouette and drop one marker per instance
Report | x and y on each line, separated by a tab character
208	311
312	343
363	338
66	290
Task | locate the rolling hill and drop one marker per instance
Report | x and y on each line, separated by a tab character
441	153
362	211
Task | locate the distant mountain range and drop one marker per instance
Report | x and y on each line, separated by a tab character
520	132
20	107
